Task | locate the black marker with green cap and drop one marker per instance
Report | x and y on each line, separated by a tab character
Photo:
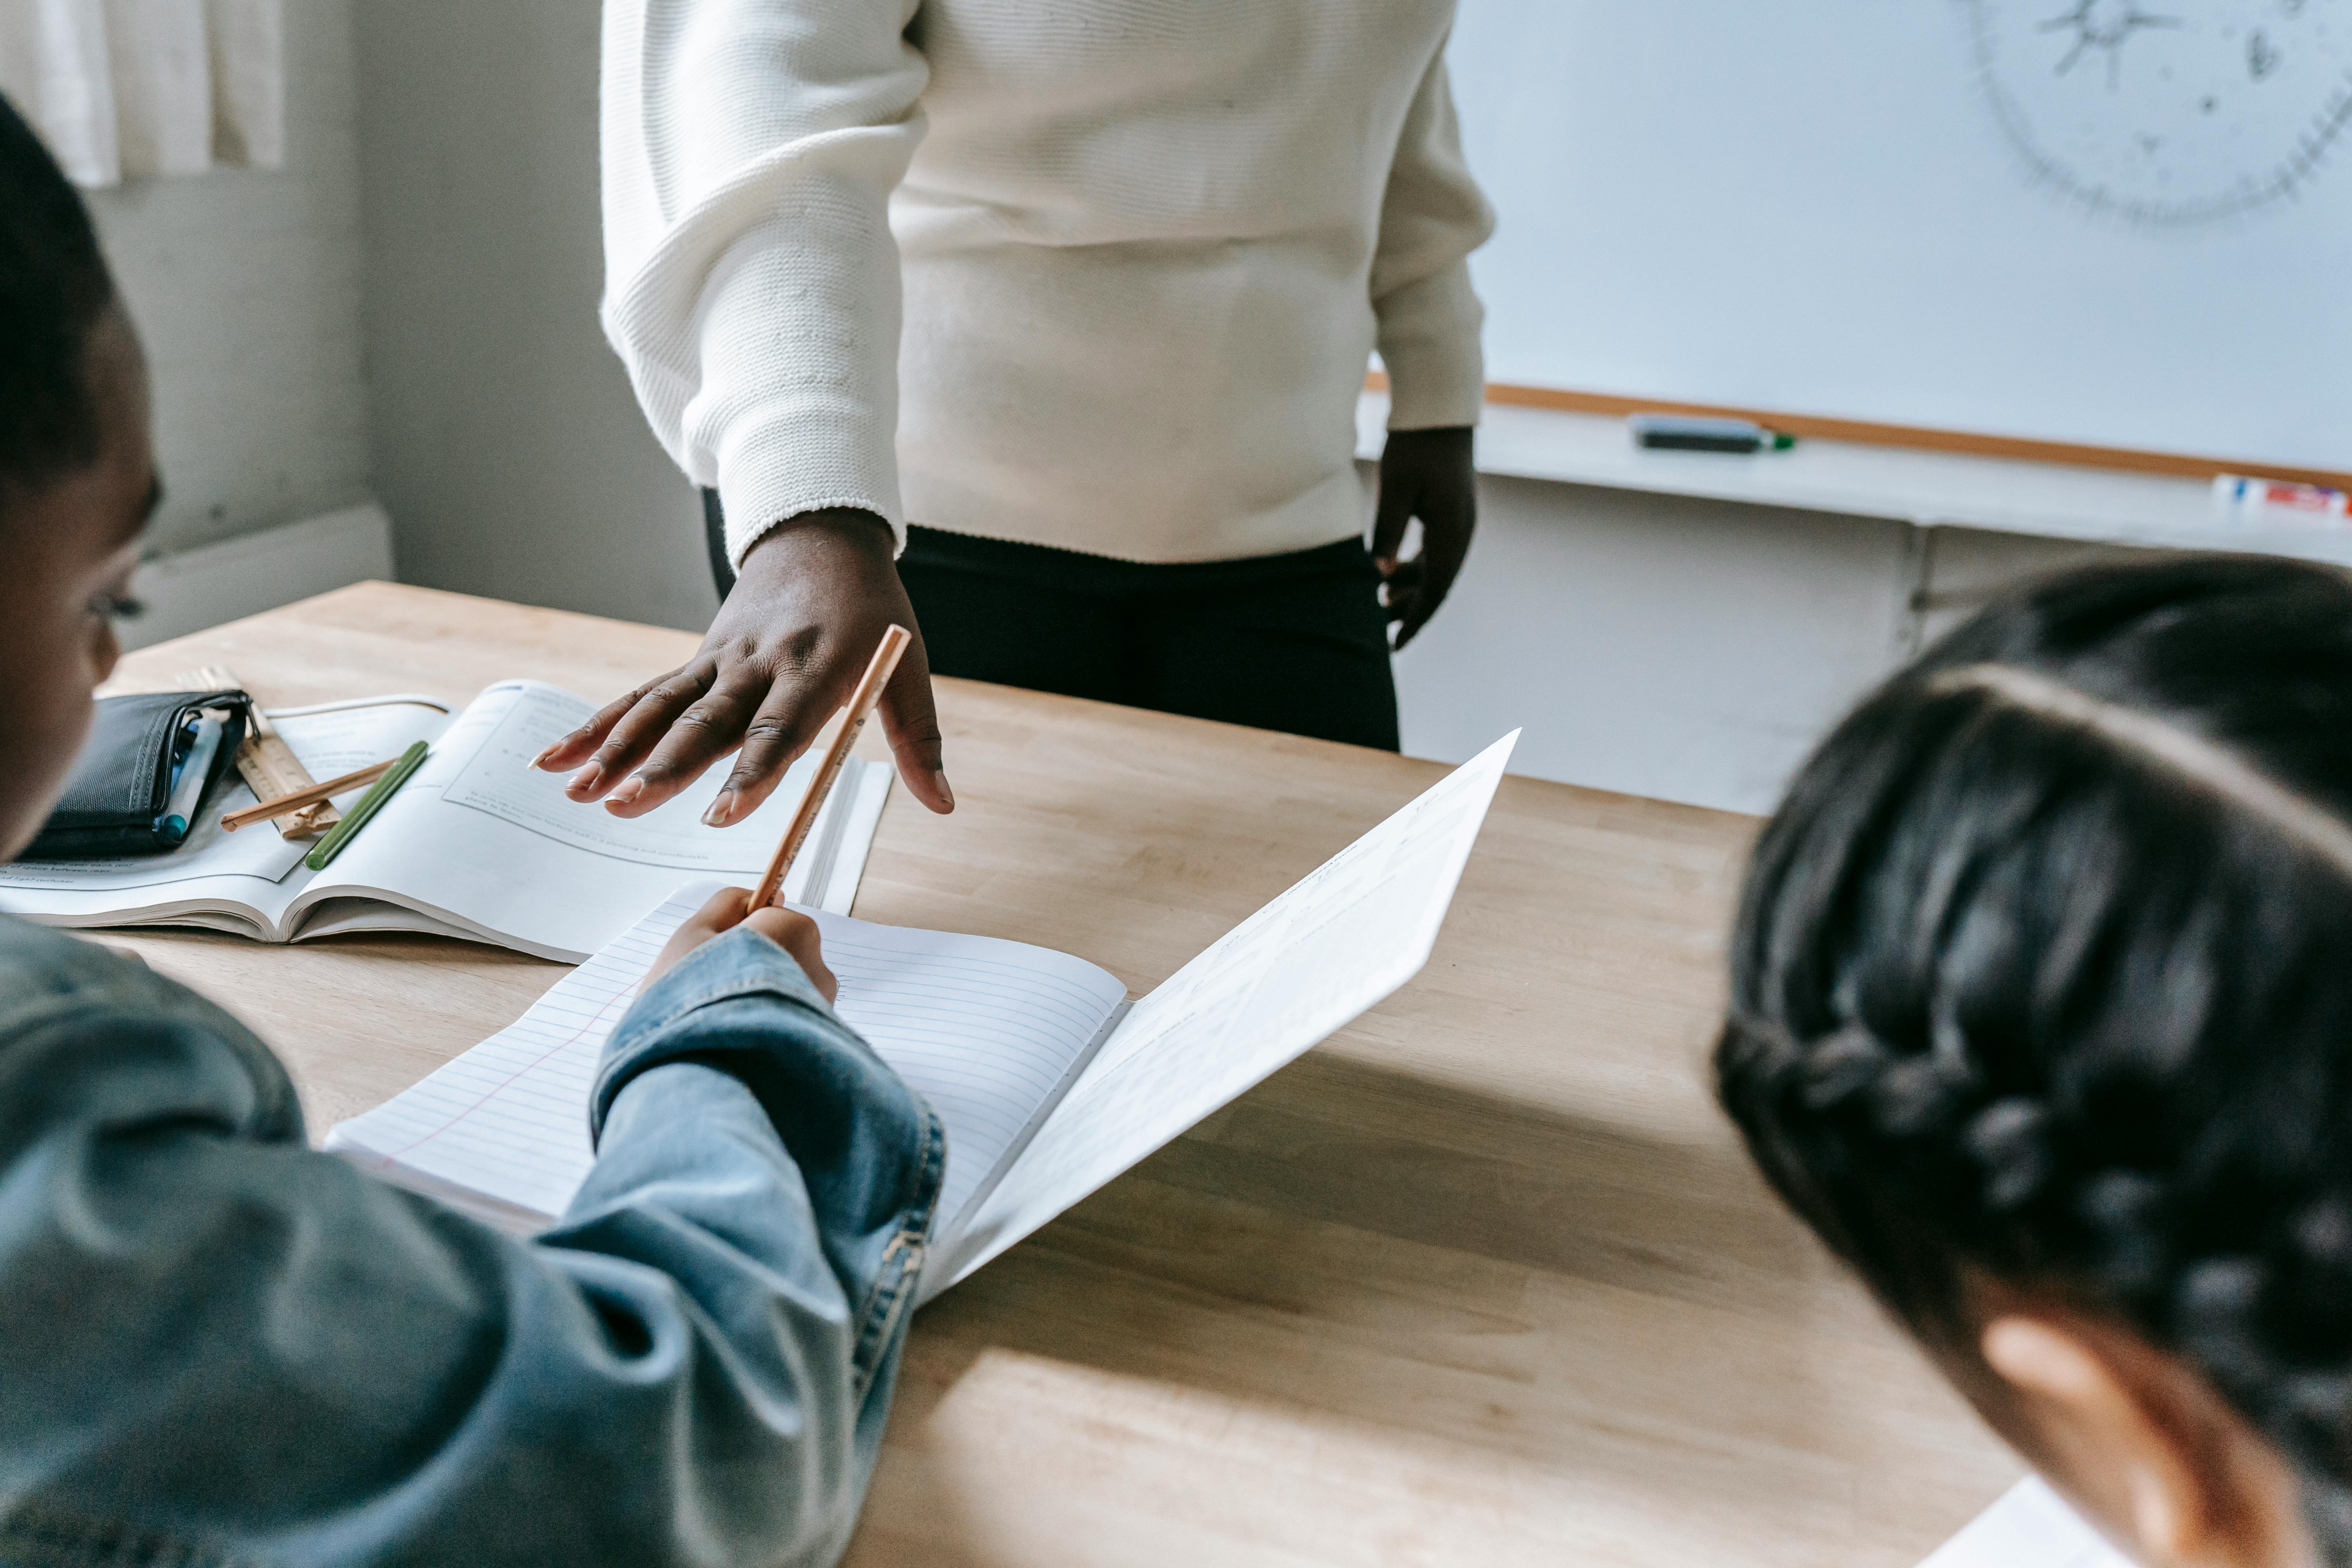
1687	433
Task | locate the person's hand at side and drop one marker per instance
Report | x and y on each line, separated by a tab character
810	604
1425	474
732	907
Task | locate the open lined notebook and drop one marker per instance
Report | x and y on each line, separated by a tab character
1049	1081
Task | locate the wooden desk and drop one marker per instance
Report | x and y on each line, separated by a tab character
1483	1279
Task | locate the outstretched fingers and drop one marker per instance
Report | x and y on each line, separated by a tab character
575	748
778	732
685	741
910	720
603	750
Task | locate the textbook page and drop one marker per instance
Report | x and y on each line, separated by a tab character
1306	964
987	1031
486	843
2030	1527
241	882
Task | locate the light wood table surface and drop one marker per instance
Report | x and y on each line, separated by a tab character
1485	1278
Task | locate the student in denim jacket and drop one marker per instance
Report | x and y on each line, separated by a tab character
218	1346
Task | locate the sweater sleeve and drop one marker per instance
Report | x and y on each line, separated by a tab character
751	285
1432	217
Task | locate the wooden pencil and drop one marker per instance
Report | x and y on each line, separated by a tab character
861	707
234	820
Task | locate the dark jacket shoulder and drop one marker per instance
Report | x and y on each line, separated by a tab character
72	1008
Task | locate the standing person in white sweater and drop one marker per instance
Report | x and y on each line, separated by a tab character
1086	290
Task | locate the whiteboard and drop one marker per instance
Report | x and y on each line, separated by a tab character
1924	212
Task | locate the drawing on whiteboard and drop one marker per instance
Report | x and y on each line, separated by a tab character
2104	24
2173	113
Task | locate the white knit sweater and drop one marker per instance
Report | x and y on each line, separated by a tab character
1146	247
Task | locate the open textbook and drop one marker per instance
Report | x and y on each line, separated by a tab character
2030	1527
1049	1080
479	845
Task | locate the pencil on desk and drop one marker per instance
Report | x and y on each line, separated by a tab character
861	708
302	797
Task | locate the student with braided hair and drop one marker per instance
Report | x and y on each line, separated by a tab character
2041	1016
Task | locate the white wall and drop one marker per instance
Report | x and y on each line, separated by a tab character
508	448
189	590
246	287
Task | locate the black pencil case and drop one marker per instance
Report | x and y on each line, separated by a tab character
122	781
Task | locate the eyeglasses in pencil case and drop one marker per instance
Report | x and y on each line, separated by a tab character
120	799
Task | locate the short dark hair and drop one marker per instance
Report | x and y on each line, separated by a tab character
54	287
2043	974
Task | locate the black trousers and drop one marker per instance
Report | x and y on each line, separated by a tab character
1297	642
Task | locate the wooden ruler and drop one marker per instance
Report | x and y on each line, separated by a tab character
267	762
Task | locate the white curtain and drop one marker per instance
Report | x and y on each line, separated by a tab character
126	87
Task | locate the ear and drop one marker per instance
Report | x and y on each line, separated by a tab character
2145	1446
2116	1455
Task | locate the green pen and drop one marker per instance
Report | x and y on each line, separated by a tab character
343	832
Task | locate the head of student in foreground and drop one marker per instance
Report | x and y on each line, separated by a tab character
77	476
2042	1015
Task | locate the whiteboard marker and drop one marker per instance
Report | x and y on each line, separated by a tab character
1682	433
188	787
2237	496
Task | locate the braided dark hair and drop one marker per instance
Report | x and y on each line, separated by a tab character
2043	968
54	288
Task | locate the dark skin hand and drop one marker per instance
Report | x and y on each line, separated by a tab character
814	598
811	601
1425	474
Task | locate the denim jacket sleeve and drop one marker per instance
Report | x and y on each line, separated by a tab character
219	1347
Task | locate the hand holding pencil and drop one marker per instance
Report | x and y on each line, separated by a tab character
732	907
793	931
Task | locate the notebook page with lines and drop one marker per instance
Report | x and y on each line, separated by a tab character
1049	1083
988	1032
1342	938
